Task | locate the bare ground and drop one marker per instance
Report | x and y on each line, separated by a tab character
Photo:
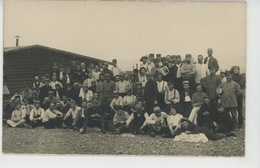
61	141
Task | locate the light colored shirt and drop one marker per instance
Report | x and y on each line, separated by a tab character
178	74
86	96
174	120
96	75
72	113
153	118
28	108
52	84
143	80
17	115
123	117
201	71
87	82
116	102
224	79
186	69
48	114
172	96
128	100
116	70
150	66
162	86
230	92
122	86
36	113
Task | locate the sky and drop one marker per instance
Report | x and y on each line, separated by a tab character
128	30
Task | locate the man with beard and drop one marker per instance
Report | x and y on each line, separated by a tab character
185	98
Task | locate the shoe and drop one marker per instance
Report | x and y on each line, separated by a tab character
27	126
231	133
152	134
82	130
220	136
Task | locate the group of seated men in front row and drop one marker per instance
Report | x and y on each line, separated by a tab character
115	119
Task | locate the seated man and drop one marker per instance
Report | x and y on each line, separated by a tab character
173	121
198	99
172	98
18	117
69	119
128	101
36	114
223	122
117	100
136	120
52	118
80	120
157	124
119	119
28	108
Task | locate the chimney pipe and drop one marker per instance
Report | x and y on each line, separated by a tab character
17	40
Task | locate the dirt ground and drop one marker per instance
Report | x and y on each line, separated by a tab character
63	141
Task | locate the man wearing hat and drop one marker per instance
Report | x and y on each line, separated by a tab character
188	71
115	69
210	83
185	99
117	100
144	63
150	64
211	61
231	90
150	93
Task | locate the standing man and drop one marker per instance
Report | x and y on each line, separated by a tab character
201	69
150	93
83	72
176	71
108	88
188	71
115	69
185	99
210	61
230	92
106	70
210	83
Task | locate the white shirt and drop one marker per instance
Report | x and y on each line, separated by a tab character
116	101
201	71
162	86
116	70
172	95
72	113
96	75
52	84
36	112
178	74
50	114
87	82
127	100
150	66
143	80
86	96
174	120
122	86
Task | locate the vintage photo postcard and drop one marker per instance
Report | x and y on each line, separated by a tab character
124	78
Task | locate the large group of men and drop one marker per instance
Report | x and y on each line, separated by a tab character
166	96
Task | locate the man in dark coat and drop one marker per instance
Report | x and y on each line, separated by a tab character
44	90
150	93
185	99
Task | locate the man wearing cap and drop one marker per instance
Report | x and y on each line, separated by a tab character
107	71
210	83
44	90
185	99
108	88
27	107
231	90
211	61
117	100
150	93
188	71
115	69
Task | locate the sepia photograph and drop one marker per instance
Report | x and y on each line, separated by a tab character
124	78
